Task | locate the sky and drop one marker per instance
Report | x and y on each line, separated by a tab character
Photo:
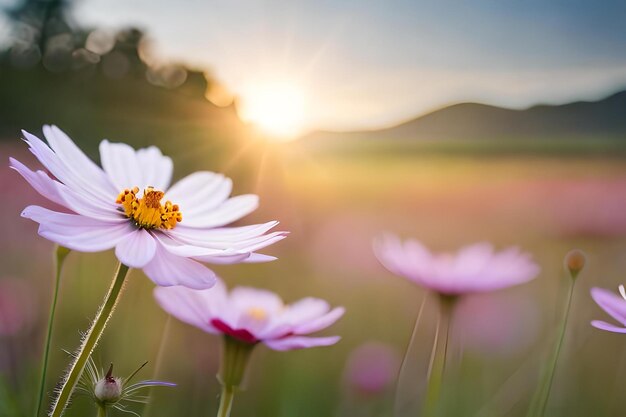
363	64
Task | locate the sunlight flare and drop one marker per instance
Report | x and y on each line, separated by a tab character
276	108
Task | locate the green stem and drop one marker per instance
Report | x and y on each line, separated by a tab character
102	411
226	401
409	348
90	341
440	352
60	254
235	357
548	378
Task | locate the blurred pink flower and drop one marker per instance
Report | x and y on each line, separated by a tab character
474	268
614	305
120	206
372	368
251	315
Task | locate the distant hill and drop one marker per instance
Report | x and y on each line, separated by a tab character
605	119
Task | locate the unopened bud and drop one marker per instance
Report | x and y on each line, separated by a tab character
575	262
109	388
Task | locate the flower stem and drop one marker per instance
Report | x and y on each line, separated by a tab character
235	357
543	395
90	341
60	253
440	352
102	411
409	347
226	401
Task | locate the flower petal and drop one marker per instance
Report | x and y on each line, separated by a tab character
300	342
229	211
612	303
67	173
137	249
200	191
77	232
188	306
320	323
128	168
167	269
602	325
40	181
72	156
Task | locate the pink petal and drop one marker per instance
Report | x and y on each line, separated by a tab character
320	323
300	342
188	306
167	269
137	249
602	325
612	303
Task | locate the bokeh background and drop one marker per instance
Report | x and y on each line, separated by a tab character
349	120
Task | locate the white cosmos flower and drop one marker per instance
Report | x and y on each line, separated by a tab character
128	205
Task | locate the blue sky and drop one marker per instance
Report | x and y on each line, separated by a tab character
366	63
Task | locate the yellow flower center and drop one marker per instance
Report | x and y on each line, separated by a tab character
147	211
257	313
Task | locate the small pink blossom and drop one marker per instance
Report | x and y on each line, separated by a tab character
614	305
128	204
474	268
372	368
251	315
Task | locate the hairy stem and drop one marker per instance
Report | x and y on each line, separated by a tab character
60	254
90	341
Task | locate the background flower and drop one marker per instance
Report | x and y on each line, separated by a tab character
474	268
252	315
614	305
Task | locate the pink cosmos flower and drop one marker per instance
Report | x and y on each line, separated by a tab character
251	315
128	205
474	268
614	305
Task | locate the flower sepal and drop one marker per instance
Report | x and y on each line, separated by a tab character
235	357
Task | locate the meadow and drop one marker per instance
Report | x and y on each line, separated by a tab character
547	199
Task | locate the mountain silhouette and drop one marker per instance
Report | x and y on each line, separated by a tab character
605	118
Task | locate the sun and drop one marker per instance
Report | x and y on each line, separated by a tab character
276	108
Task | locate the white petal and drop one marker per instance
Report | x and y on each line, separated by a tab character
73	157
167	269
66	173
39	180
77	232
231	210
137	249
128	168
200	191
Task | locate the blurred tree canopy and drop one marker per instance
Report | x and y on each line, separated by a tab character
95	83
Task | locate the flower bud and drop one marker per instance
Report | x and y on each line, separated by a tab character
109	388
575	262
